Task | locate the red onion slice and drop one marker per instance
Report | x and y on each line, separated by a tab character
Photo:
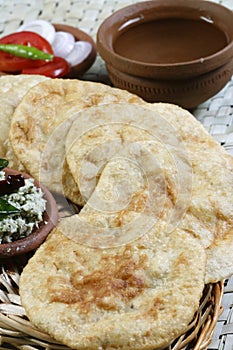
41	27
80	52
63	44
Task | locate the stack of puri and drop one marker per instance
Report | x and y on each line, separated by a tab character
156	218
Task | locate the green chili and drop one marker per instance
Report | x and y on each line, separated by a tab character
26	52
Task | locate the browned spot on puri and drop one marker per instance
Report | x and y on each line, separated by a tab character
138	201
182	260
61	290
172	195
119	278
157	307
26	131
137	205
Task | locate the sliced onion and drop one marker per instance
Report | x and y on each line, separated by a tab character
41	27
80	52
63	44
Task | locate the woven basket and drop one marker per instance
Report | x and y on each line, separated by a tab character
16	331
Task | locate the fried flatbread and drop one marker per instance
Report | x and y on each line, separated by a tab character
135	134
47	112
137	296
12	90
71	189
208	214
112	276
42	119
119	210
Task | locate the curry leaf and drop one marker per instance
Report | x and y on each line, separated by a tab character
7	208
3	163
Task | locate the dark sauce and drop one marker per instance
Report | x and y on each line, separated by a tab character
170	40
11	184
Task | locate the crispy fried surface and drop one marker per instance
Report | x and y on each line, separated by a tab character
41	122
12	90
156	190
120	297
209	217
202	201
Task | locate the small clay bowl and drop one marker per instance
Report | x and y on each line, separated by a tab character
36	238
79	35
78	70
171	70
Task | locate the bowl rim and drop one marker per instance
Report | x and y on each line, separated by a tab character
162	70
33	240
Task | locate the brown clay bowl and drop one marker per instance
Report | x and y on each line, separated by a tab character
186	82
36	238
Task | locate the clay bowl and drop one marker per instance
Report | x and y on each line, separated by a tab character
79	35
36	238
78	70
163	68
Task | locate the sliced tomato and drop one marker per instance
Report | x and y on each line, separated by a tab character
54	69
10	63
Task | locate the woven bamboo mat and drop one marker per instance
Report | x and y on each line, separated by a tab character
216	114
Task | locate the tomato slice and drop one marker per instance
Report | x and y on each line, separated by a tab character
54	69
10	63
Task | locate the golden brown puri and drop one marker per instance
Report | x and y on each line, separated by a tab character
47	116
12	90
206	191
92	298
109	276
40	123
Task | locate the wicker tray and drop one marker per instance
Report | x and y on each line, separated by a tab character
18	333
